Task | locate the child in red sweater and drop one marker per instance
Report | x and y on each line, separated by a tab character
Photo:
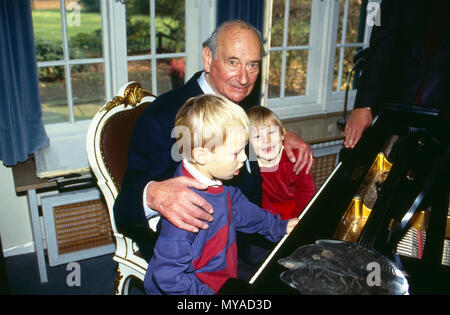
284	193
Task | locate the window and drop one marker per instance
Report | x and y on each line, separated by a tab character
310	45
88	49
350	38
71	63
289	51
156	40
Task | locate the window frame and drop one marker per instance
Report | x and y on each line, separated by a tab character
66	62
115	58
319	98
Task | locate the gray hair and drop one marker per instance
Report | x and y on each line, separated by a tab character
211	41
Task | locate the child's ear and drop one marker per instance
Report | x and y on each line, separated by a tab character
201	155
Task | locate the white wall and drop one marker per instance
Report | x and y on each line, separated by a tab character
15	223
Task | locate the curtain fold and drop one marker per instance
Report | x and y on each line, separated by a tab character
22	130
251	11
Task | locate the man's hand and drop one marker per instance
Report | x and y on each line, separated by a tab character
359	120
179	205
305	156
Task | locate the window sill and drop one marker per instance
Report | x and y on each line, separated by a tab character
67	129
66	153
298	107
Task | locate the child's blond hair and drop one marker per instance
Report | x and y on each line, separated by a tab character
263	116
209	119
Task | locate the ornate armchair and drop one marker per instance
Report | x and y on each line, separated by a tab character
107	144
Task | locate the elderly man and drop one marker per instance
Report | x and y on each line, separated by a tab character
231	57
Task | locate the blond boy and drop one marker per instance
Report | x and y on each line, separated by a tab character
212	136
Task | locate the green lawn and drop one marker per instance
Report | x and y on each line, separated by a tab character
47	24
88	80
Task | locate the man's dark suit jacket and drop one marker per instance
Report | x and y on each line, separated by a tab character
409	56
150	160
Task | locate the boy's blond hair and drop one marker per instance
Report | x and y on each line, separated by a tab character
209	119
263	116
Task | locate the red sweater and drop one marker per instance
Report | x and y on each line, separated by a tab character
285	193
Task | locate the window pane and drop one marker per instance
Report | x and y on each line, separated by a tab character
276	31
341	20
88	89
84	29
141	71
47	30
170	26
299	22
170	74
296	72
353	19
52	87
354	12
138	27
349	53
352	35
274	74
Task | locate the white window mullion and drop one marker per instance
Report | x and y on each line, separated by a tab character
285	45
67	72
153	47
266	58
50	63
118	44
106	39
350	45
342	48
159	56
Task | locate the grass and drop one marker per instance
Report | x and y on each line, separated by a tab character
87	84
47	24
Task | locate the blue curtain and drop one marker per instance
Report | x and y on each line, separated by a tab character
251	11
21	128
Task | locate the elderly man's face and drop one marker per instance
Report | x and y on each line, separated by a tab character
234	71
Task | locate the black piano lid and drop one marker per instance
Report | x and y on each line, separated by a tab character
322	216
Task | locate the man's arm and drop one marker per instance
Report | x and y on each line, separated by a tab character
383	41
149	160
178	204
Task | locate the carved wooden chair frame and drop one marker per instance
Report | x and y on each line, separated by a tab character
130	98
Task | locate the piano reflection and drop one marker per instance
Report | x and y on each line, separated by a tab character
386	198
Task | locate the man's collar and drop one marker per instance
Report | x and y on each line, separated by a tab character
206	88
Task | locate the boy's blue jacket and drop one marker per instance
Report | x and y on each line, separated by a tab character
200	263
